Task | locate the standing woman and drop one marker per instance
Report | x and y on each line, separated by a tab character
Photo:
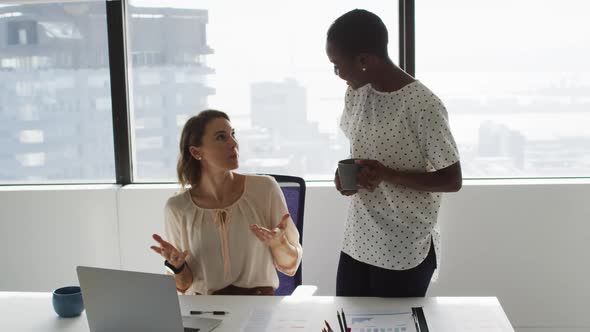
228	232
398	129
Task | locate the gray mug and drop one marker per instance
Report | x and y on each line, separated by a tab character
347	172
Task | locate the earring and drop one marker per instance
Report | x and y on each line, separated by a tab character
364	69
199	158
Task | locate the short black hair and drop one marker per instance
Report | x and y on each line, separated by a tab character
359	31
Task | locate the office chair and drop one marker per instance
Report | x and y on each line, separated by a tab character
294	191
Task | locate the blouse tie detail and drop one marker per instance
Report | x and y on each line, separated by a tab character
222	219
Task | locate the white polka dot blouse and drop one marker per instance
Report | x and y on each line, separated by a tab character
406	130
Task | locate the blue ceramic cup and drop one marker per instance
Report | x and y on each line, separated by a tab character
67	301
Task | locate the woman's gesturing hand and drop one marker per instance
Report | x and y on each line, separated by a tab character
274	237
169	252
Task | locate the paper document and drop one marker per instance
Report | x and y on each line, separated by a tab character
381	322
276	321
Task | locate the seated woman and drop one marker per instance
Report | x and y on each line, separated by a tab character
227	232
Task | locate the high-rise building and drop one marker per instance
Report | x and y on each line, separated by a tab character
280	110
55	105
499	141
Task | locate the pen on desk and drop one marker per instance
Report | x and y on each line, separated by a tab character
344	320
198	312
340	321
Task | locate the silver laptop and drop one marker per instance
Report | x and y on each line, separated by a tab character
118	300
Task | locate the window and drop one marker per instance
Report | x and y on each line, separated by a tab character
31	136
262	62
515	78
55	116
21	32
515	86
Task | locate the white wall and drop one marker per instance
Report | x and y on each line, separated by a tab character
45	232
525	243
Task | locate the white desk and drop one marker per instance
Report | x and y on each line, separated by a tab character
24	312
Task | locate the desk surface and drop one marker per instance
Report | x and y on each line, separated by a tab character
25	312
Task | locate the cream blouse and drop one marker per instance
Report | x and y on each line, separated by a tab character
223	250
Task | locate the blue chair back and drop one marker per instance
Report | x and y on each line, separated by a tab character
294	191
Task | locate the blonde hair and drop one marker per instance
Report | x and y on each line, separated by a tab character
188	168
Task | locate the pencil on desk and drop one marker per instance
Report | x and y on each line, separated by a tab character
340	321
328	326
415	316
344	320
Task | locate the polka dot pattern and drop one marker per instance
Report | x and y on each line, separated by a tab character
406	130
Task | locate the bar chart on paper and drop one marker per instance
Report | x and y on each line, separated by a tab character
381	322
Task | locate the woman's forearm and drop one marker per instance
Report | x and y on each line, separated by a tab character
286	256
445	180
184	279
